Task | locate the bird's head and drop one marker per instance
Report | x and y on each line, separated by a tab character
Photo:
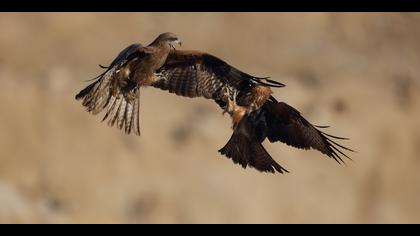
169	38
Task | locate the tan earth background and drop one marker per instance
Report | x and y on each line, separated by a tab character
358	73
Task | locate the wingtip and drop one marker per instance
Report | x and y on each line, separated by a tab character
269	82
322	126
277	167
79	95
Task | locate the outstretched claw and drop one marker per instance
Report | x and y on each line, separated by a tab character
226	93
230	103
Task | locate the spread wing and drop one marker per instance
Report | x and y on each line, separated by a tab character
198	74
116	93
285	124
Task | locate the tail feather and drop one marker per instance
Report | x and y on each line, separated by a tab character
245	151
237	149
263	161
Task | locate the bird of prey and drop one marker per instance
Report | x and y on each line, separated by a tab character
256	114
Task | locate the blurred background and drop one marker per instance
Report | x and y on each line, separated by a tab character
359	73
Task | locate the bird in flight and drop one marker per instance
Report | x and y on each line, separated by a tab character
256	115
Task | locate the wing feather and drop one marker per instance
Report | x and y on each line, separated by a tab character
197	74
115	93
287	125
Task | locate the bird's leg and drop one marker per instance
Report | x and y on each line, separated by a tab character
232	101
236	112
226	93
226	97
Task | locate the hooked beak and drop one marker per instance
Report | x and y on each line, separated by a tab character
177	42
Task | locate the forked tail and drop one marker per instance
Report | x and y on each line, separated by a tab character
244	149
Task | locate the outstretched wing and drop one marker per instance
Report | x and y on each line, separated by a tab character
285	124
198	74
116	93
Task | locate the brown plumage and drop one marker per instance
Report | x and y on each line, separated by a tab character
117	90
256	114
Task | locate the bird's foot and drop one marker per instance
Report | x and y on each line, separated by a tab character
235	93
230	103
226	93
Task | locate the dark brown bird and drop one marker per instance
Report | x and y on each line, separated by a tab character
256	114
